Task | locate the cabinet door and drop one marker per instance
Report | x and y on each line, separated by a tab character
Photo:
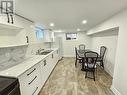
47	36
49	61
53	60
56	57
44	72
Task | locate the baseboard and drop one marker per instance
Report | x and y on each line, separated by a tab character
68	56
110	73
115	91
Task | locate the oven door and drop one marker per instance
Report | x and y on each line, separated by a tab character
15	91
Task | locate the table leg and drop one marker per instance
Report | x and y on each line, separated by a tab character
83	63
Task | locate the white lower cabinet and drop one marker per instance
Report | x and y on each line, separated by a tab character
56	57
44	70
33	79
30	81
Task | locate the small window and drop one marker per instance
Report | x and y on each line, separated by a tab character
39	33
71	36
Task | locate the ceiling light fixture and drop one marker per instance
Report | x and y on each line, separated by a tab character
84	21
78	29
52	24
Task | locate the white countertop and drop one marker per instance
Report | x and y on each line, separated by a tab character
19	69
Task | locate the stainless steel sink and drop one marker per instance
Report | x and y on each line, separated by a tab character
45	52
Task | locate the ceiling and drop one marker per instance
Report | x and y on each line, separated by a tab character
68	14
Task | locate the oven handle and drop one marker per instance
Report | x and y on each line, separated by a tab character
10	93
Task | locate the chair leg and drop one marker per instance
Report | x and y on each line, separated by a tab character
76	63
94	75
86	75
102	64
96	72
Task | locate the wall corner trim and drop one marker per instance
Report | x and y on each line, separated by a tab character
115	91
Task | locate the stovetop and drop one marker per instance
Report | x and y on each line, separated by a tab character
6	82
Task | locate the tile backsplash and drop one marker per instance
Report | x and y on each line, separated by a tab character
11	56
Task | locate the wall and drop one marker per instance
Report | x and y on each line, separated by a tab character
108	39
68	45
119	84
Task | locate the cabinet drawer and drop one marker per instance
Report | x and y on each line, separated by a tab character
30	74
34	88
30	80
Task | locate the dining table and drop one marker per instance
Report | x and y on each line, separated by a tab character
81	54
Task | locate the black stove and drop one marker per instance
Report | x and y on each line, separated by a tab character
9	86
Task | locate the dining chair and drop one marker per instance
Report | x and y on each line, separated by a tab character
81	47
90	63
77	57
101	56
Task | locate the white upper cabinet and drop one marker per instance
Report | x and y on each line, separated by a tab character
4	25
49	36
7	26
11	34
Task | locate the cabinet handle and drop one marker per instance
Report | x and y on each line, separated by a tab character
27	39
31	72
32	80
35	91
12	21
45	62
52	56
57	51
8	17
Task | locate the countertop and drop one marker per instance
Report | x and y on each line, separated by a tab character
19	69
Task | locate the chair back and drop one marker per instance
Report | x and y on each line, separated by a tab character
102	51
76	53
81	47
91	59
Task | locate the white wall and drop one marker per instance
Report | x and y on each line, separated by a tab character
68	45
108	39
119	86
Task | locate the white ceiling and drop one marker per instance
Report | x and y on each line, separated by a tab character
68	14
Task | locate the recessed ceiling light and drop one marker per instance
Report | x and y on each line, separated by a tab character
84	21
78	29
52	24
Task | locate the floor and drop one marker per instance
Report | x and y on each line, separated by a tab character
68	80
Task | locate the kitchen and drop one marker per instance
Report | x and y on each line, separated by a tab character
37	47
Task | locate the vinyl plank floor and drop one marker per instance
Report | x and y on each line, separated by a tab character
68	80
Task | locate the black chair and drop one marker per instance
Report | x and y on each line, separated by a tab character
77	57
81	47
101	57
90	63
